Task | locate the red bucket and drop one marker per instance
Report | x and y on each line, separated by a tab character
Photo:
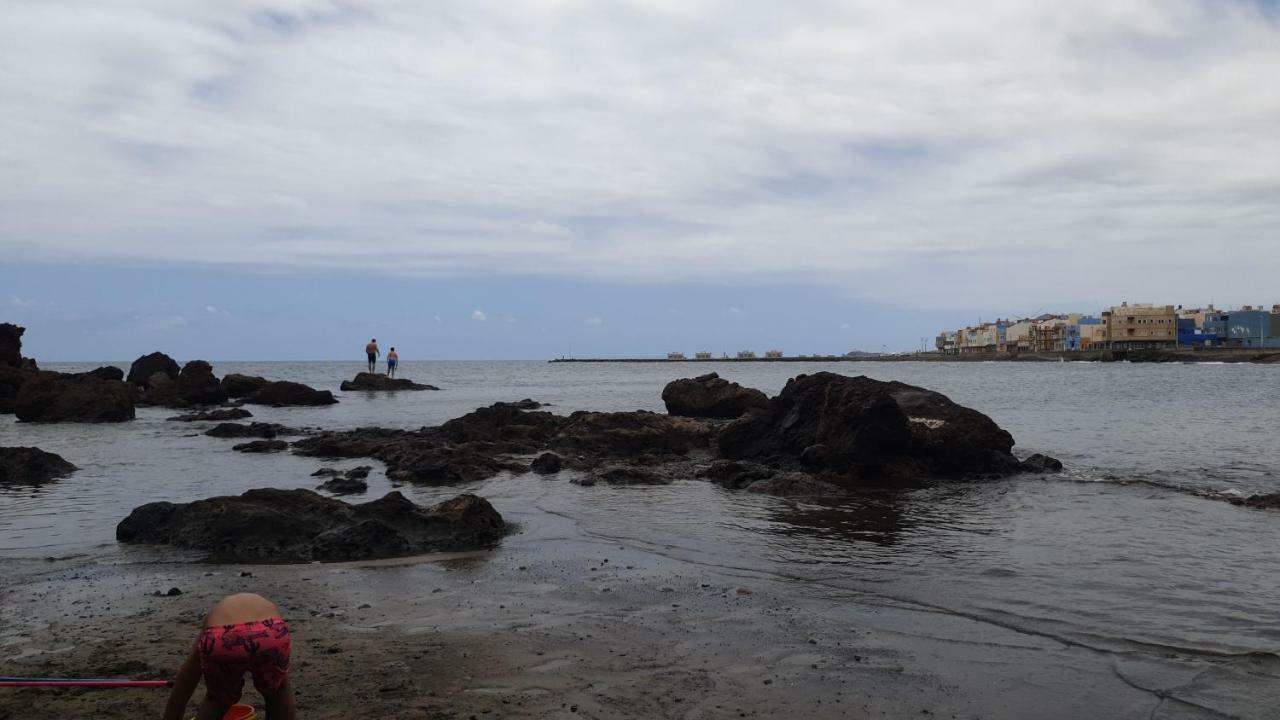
241	712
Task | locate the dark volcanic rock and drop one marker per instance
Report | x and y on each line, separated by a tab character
301	526
626	475
284	394
736	475
795	484
252	430
11	381
327	472
261	446
31	466
422	456
144	369
358	473
377	381
1041	464
525	404
879	431
345	485
52	397
238	386
630	434
11	345
106	372
711	396
1268	501
547	464
195	385
502	421
212	415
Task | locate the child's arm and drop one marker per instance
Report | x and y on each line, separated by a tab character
184	685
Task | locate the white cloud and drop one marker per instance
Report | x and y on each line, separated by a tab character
20	302
734	311
479	315
593	321
915	153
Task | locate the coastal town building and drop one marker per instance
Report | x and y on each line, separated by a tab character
1141	327
702	356
774	354
675	356
746	355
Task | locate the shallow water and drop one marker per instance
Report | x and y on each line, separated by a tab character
1117	556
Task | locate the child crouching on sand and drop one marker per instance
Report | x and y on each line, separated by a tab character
242	633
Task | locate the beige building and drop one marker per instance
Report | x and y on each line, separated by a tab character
1141	327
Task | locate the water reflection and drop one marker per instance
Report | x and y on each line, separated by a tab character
875	518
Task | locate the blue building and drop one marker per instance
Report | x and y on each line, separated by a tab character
1188	336
1071	333
1246	328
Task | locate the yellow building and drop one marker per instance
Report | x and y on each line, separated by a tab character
1141	327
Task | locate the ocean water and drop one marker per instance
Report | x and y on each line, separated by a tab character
1122	555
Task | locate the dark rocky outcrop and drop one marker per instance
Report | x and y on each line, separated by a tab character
624	475
214	415
502	421
282	393
106	372
266	431
736	475
859	428
53	397
11	381
261	446
546	464
423	456
144	369
238	386
1041	464
630	434
711	396
525	404
11	345
195	385
1267	501
31	466
300	526
345	483
377	381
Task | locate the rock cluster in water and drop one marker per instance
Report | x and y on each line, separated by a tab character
711	396
270	525
31	466
377	381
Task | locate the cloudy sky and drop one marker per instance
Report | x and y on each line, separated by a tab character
526	179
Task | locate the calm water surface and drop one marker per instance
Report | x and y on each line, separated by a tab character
1118	554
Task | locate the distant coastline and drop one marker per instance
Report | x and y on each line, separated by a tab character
1226	355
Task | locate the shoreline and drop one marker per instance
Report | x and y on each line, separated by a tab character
1258	357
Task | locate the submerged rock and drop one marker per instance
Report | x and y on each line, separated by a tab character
547	464
736	475
238	386
31	466
295	526
250	430
211	415
626	475
143	370
1041	464
285	394
377	381
630	434
345	485
711	396
857	427
261	446
1267	501
53	397
502	421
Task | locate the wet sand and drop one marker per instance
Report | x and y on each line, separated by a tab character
554	624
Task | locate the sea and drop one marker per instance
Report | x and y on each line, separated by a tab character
1130	555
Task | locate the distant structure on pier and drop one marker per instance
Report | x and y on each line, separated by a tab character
675	356
774	354
702	356
746	355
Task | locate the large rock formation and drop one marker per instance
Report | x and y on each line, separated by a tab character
31	466
630	434
146	367
711	396
195	385
856	427
53	397
298	526
266	431
377	381
286	394
238	386
11	345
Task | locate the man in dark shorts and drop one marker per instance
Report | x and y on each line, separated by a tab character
242	634
372	351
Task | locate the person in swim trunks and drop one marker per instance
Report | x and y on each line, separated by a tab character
372	351
242	633
393	359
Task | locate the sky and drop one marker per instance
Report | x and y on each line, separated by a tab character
530	179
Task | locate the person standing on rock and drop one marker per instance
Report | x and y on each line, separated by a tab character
393	359
242	633
372	351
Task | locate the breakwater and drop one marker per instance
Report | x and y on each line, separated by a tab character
1157	356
